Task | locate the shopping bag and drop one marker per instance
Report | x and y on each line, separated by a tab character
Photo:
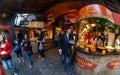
41	46
16	48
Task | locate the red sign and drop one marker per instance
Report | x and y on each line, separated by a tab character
83	63
95	10
114	64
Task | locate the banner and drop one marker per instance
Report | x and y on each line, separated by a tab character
95	10
85	64
114	64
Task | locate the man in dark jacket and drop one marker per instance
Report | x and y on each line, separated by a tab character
65	47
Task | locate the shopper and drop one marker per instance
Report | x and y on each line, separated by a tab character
18	51
25	49
41	41
66	46
5	51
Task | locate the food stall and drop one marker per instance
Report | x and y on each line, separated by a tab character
96	49
33	28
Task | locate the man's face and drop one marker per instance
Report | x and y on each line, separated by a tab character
69	31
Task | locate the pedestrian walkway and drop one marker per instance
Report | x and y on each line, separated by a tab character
50	66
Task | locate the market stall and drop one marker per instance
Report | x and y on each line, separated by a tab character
98	42
33	28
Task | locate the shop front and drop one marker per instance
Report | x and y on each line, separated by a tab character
97	47
33	28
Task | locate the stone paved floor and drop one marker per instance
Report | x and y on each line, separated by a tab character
50	66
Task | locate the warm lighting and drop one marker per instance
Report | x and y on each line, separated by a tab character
93	25
84	22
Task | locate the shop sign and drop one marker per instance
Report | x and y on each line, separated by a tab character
36	24
95	10
114	64
84	64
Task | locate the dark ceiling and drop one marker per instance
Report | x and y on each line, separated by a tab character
40	6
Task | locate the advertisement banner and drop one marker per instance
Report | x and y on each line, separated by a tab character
114	64
85	64
95	10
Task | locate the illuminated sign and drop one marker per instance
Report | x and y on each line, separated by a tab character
84	64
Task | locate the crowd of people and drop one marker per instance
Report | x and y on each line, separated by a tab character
23	49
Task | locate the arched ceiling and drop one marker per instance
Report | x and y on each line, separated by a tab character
56	7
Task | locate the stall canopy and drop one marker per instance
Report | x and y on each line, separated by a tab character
98	11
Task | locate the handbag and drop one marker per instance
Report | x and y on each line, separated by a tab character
16	48
41	47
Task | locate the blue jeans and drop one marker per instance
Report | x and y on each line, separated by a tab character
7	64
65	61
28	57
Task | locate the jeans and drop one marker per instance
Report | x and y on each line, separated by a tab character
42	53
65	61
7	64
28	57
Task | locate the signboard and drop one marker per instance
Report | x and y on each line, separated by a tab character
36	24
114	64
111	39
95	10
84	64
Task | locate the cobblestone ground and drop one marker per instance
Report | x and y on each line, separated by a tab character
50	66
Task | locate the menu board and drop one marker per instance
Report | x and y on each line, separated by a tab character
111	39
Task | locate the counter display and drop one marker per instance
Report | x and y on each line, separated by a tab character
98	36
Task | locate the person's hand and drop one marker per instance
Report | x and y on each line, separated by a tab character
60	51
3	53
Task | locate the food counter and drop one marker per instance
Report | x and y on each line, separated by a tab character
95	64
98	44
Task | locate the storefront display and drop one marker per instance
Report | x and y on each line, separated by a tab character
98	44
94	39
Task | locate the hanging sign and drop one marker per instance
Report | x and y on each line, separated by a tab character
36	24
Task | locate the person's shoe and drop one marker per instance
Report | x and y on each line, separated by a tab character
19	61
14	73
30	66
42	59
39	56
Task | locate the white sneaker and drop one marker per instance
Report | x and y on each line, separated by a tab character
15	74
39	56
30	66
42	59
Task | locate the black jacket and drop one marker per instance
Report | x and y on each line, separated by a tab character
65	45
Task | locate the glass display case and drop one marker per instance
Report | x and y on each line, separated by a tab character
98	36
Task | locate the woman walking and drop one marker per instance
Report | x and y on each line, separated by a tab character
25	49
18	51
5	51
41	41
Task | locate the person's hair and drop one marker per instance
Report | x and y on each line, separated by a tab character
67	29
118	37
3	38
